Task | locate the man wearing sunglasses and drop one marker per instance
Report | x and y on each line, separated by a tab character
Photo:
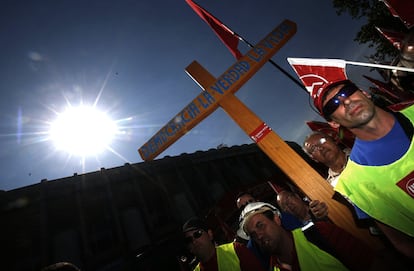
233	256
379	176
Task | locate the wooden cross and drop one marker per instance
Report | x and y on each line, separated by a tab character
220	92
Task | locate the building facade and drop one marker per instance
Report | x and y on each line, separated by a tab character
130	217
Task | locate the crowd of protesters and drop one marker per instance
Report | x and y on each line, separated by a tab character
375	176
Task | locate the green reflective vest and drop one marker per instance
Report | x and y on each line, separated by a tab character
374	188
313	258
227	258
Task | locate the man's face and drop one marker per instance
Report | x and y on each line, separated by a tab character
244	200
265	232
291	203
199	242
322	148
354	111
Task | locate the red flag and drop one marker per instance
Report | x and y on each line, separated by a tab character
402	9
316	74
227	36
390	91
394	37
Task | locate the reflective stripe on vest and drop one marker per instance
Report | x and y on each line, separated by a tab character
311	257
374	188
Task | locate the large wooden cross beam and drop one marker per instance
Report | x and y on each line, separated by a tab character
229	82
220	92
297	169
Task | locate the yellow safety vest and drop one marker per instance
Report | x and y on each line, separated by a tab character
313	258
227	258
374	188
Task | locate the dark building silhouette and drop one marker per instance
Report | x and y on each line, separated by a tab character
130	217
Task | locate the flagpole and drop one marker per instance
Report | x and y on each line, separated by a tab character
389	67
203	13
273	63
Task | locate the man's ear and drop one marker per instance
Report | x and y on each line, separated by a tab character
334	124
277	220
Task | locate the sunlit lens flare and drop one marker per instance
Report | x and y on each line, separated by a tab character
82	131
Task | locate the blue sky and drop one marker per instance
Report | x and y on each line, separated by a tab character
128	57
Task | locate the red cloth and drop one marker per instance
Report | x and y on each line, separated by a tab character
225	34
351	251
402	9
394	37
318	74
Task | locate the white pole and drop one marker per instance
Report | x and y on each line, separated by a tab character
380	66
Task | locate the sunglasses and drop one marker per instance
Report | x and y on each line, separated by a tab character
333	104
197	234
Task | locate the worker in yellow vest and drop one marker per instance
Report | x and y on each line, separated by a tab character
226	257
379	176
319	245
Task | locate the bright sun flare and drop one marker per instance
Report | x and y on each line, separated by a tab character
82	131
